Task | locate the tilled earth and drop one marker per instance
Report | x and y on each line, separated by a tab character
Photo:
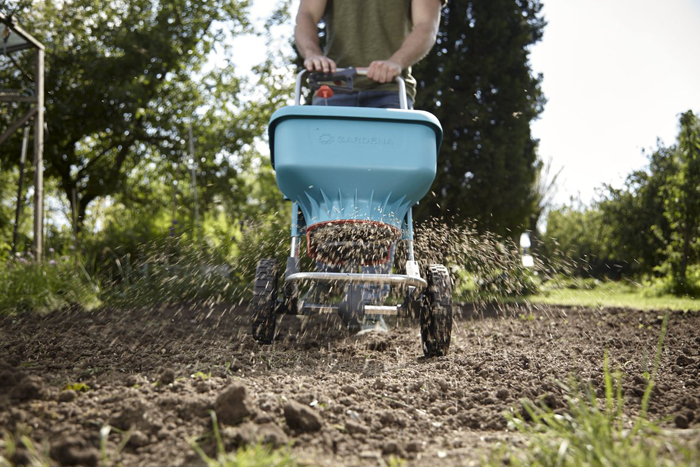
154	377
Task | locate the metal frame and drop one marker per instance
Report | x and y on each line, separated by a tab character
35	112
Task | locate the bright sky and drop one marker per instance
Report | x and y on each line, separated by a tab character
617	74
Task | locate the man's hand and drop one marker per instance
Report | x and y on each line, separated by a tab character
306	36
383	71
319	63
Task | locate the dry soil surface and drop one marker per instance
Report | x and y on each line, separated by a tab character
155	376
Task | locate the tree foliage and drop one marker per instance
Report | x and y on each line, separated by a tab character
578	240
635	213
123	81
650	226
478	82
682	200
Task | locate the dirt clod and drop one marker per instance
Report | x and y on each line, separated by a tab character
392	447
231	406
138	439
270	433
30	387
301	418
684	360
67	396
74	450
681	421
356	428
414	446
167	376
503	394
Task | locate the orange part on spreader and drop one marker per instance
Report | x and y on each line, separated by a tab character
324	92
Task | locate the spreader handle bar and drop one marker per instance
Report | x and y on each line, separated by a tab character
403	101
391	279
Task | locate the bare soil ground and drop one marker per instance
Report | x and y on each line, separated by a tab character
337	399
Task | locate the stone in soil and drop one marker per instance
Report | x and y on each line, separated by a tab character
301	418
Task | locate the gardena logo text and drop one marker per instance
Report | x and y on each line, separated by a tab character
364	140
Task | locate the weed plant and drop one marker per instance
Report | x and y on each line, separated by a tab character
593	433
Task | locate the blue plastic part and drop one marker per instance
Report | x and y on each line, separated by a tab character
348	163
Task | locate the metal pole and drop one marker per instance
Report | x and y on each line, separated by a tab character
39	158
18	211
194	186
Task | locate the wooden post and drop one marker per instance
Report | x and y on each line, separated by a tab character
39	158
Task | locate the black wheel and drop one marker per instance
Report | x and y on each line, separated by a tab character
265	301
436	313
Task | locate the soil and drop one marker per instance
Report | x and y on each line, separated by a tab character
152	377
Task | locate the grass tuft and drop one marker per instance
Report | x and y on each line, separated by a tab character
31	455
256	455
593	432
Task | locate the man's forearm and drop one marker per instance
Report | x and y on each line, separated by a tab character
306	36
415	46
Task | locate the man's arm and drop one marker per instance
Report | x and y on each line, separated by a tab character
426	21
306	36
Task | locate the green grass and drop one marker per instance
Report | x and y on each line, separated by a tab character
593	293
593	431
255	455
38	456
47	286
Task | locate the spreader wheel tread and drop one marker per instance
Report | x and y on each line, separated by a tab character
264	301
436	312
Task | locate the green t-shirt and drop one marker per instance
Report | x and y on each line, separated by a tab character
361	31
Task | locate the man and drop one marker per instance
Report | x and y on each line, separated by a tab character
388	36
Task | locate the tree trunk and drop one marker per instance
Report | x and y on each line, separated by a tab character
685	252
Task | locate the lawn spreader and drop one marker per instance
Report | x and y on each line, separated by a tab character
352	176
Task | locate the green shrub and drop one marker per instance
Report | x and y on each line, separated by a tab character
56	283
169	271
668	285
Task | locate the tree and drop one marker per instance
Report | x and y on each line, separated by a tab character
635	214
577	233
124	80
682	200
478	82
